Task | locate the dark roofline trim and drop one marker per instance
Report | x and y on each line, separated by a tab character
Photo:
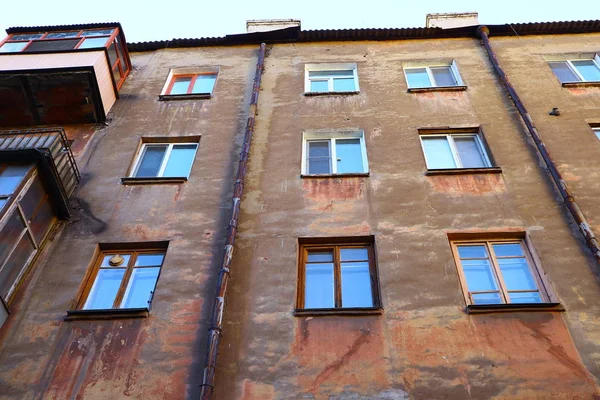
54	28
294	34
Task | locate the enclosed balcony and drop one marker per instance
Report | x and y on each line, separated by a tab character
62	74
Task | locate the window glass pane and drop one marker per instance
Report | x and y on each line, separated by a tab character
106	261
320	256
140	288
10	47
318	286
358	254
486	298
349	156
34	196
588	69
443	76
472	251
437	153
180	86
181	160
356	285
10	233
93	42
508	250
105	288
97	32
468	151
204	84
42	221
11	176
116	74
319	86
318	158
333	73
15	264
479	275
151	161
3	202
52	45
27	36
563	72
149	260
597	132
516	274
417	78
344	85
528	297
112	54
62	35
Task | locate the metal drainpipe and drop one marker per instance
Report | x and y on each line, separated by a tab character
215	330
591	241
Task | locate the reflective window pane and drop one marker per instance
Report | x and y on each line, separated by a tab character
469	153
516	274
42	222
417	78
204	84
563	72
437	153
477	251
11	177
62	35
15	264
140	287
319	86
181	160
10	233
97	32
34	196
527	297
149	260
318	158
356	285
105	288
151	161
508	250
588	69
113	56
320	256
479	275
597	132
180	86
3	202
358	254
443	76
12	47
332	73
27	36
349	156
344	85
319	286
486	298
93	42
52	45
106	261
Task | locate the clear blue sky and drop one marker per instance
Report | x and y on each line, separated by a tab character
167	19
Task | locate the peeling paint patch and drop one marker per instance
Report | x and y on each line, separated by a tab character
475	184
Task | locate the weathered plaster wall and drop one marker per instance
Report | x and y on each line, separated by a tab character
43	356
424	346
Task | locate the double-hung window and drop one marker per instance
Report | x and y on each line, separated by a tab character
337	276
454	151
433	76
331	78
577	70
328	153
164	160
499	272
122	279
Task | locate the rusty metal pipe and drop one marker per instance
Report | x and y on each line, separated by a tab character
590	239
216	321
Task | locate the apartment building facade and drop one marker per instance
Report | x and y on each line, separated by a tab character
399	235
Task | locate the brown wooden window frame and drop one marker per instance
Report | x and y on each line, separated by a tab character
549	300
335	244
133	250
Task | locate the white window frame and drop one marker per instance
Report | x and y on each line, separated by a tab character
329	67
165	160
454	151
595	59
331	136
453	69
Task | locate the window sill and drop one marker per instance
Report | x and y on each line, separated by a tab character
348	175
331	93
153	181
338	311
194	96
581	84
494	308
107	314
463	171
437	89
